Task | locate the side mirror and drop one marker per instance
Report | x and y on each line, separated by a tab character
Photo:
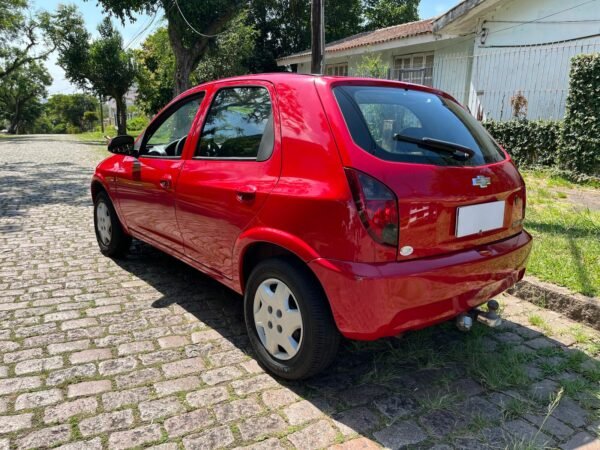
122	145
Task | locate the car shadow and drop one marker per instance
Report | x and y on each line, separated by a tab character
438	385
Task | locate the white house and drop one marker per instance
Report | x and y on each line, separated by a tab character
483	52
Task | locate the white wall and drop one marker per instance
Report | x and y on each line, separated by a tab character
540	72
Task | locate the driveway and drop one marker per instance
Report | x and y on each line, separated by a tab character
146	352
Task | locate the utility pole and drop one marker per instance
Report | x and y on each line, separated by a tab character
101	114
317	36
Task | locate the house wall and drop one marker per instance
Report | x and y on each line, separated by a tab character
505	59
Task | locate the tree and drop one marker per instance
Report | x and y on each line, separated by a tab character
229	54
103	66
386	13
21	93
155	78
26	37
69	110
190	25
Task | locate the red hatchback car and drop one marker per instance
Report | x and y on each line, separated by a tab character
335	205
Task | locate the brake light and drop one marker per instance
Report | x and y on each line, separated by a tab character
377	206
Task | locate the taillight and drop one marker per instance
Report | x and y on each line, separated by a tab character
377	206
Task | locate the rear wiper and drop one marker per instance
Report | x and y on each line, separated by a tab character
457	151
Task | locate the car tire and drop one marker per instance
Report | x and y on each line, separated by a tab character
316	343
112	239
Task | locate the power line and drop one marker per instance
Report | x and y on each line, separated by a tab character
193	29
142	31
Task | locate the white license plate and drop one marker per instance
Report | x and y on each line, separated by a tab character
477	219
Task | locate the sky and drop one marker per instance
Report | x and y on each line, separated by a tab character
134	33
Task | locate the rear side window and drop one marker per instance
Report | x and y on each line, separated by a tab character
238	125
386	122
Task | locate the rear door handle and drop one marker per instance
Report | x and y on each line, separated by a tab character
246	193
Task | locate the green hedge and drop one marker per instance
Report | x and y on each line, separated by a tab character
580	146
529	143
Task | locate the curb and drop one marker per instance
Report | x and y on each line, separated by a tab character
575	306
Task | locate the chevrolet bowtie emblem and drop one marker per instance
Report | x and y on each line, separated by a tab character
481	181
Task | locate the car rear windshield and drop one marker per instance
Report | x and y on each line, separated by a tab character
387	122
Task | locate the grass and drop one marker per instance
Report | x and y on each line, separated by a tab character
98	136
566	248
538	321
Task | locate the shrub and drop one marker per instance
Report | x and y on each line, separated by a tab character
580	147
529	143
137	123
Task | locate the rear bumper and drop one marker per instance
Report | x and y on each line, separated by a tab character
370	301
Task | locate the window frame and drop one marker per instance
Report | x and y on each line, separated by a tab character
207	112
163	116
335	68
398	62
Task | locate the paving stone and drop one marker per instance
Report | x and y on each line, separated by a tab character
363	394
206	397
544	390
85	356
301	412
216	376
523	431
38	399
64	411
9	424
86	388
177	385
357	420
138	378
45	437
214	438
115	400
570	413
318	435
183	367
396	406
22	355
160	356
439	423
237	409
277	398
132	348
13	385
4	444
478	408
267	444
188	422
551	426
540	343
100	310
400	435
71	346
227	358
254	384
92	444
361	443
255	427
132	438
173	341
102	423
62	315
78	323
164	407
116	366
582	441
72	373
39	365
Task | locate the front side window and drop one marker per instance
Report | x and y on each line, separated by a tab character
167	137
397	124
239	125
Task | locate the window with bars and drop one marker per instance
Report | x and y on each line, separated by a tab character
340	69
416	68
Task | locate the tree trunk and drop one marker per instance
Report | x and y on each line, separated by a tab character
121	115
14	121
183	70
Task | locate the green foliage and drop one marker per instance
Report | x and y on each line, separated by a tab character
529	143
371	66
21	93
156	63
102	65
137	123
580	149
386	13
70	110
230	53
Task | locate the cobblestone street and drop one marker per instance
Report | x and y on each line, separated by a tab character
147	352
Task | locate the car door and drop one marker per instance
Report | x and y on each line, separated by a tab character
146	186
235	165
